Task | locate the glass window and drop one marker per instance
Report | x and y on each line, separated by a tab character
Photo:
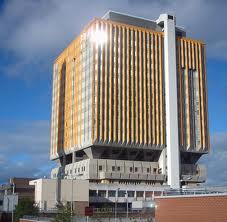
112	193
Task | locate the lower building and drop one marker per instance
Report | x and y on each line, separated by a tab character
51	192
15	190
205	204
82	193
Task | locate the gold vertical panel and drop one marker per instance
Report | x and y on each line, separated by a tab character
198	73
81	99
188	96
161	91
120	87
189	55
124	87
182	53
97	88
102	83
193	55
115	82
106	109
180	94
137	88
111	83
128	107
94	74
141	87
145	86
157	90
149	89
202	94
133	86
153	91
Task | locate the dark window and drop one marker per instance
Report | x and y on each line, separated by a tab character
101	193
148	170
130	169
1	202
170	17
92	193
112	193
118	168
113	168
155	170
136	169
100	168
139	193
121	193
130	193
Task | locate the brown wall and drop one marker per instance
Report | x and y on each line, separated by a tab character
192	209
79	207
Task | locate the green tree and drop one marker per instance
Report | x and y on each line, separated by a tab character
63	214
25	207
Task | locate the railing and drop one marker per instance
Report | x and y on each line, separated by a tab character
194	191
34	218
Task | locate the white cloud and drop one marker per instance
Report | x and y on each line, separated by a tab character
217	159
24	149
36	31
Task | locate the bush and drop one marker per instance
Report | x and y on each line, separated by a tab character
63	214
25	207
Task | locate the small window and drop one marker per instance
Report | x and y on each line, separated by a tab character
155	170
113	168
136	169
1	202
100	168
75	170
78	170
118	169
130	169
148	170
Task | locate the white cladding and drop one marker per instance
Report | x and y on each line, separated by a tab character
171	100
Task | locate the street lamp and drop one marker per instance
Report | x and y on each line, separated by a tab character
72	199
13	201
126	196
116	199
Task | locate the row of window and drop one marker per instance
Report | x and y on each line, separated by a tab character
135	170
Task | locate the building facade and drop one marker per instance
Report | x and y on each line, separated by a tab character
130	103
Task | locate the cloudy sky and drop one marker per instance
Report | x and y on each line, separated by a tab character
33	32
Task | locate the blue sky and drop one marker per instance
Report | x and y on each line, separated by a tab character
34	32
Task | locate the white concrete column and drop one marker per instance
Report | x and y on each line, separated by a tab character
173	168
